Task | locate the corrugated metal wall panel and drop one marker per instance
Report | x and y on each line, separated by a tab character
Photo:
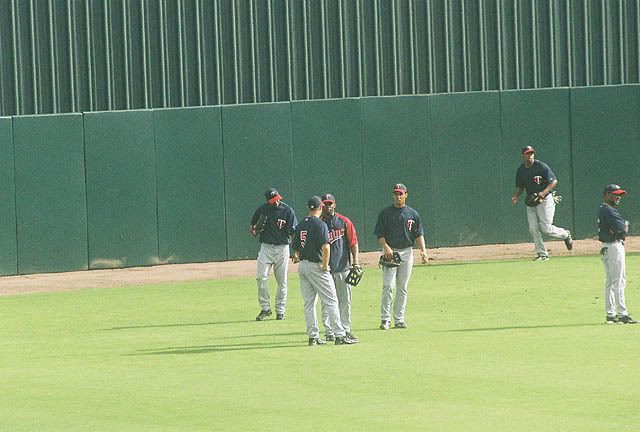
86	55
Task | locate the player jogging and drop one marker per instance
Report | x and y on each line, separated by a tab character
398	228
311	249
612	230
274	250
537	178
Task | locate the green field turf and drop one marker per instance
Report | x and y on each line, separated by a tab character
491	346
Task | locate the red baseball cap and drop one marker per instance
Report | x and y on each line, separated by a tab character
528	149
614	189
399	187
328	198
272	195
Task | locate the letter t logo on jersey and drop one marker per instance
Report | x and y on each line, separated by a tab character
537	179
281	223
410	223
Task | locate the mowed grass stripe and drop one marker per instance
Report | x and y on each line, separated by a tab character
509	345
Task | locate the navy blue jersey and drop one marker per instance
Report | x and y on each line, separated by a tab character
310	235
281	223
535	178
342	235
611	226
400	227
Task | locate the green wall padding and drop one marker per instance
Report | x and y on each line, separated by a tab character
257	155
190	183
8	251
606	149
541	119
327	152
396	136
50	193
121	189
465	165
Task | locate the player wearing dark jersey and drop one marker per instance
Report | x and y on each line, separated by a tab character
398	228
343	242
274	251
312	250
536	177
612	230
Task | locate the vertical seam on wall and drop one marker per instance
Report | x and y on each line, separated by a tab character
86	185
224	185
573	182
15	190
155	170
293	158
362	172
501	166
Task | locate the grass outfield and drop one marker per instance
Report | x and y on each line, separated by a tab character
487	349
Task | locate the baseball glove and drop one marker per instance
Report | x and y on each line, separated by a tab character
533	200
355	274
393	262
261	223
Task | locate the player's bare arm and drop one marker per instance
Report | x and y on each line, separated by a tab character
546	191
386	249
423	249
326	254
516	195
354	254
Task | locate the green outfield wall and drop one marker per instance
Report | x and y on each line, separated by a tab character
135	188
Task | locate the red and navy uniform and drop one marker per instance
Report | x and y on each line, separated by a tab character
342	236
611	226
310	235
535	178
281	223
400	227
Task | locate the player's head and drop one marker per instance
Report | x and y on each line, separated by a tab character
272	196
315	205
613	193
328	205
399	195
528	154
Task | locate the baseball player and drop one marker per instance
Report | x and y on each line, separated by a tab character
612	230
398	228
343	242
312	250
274	251
537	178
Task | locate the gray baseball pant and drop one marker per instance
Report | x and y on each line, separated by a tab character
613	256
398	278
314	283
276	256
343	292
540	220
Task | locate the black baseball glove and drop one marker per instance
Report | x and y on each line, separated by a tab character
393	262
355	275
533	200
260	224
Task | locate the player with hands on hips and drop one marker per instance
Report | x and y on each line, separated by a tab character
398	229
312	250
273	223
612	231
343	242
538	180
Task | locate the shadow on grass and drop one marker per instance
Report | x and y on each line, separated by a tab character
178	325
522	327
205	349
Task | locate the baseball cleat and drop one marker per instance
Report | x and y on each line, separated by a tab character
352	336
330	338
346	340
541	258
568	242
316	341
611	319
263	314
280	316
400	325
384	325
626	319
